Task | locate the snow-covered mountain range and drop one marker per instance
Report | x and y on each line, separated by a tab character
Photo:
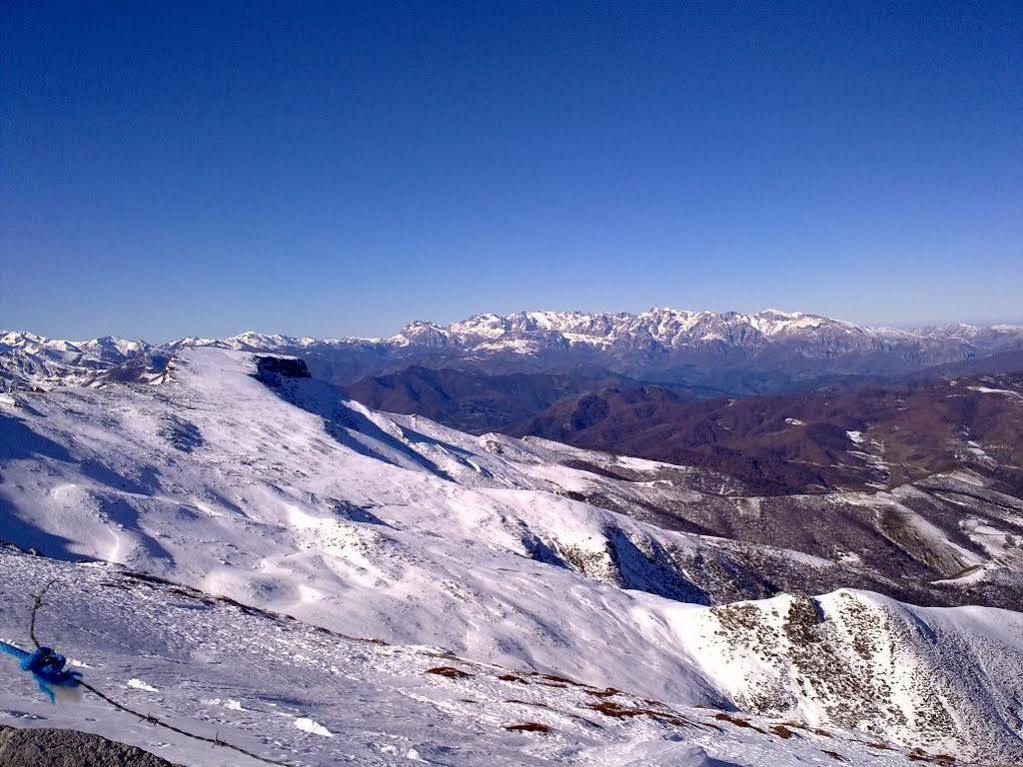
666	328
666	345
506	583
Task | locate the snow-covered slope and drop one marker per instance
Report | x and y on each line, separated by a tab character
239	476
340	515
287	691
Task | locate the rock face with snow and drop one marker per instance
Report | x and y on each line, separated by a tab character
860	661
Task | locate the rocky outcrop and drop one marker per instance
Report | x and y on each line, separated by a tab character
283	367
916	676
46	747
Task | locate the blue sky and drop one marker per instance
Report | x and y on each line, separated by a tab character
341	168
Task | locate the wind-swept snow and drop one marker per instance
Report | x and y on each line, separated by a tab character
384	704
349	519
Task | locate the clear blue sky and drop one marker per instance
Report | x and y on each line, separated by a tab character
334	168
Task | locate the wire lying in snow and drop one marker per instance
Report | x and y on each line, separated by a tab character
47	668
37	602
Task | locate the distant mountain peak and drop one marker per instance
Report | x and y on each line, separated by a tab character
647	345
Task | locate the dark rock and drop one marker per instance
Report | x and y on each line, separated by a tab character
69	748
281	367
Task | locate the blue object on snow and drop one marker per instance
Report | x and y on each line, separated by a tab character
46	666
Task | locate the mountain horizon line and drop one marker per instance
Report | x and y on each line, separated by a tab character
910	328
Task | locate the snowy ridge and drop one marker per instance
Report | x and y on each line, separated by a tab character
31	360
679	328
636	344
240	476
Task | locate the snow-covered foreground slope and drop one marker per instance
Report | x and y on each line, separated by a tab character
304	696
245	479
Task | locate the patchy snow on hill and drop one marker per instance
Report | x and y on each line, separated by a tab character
859	660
